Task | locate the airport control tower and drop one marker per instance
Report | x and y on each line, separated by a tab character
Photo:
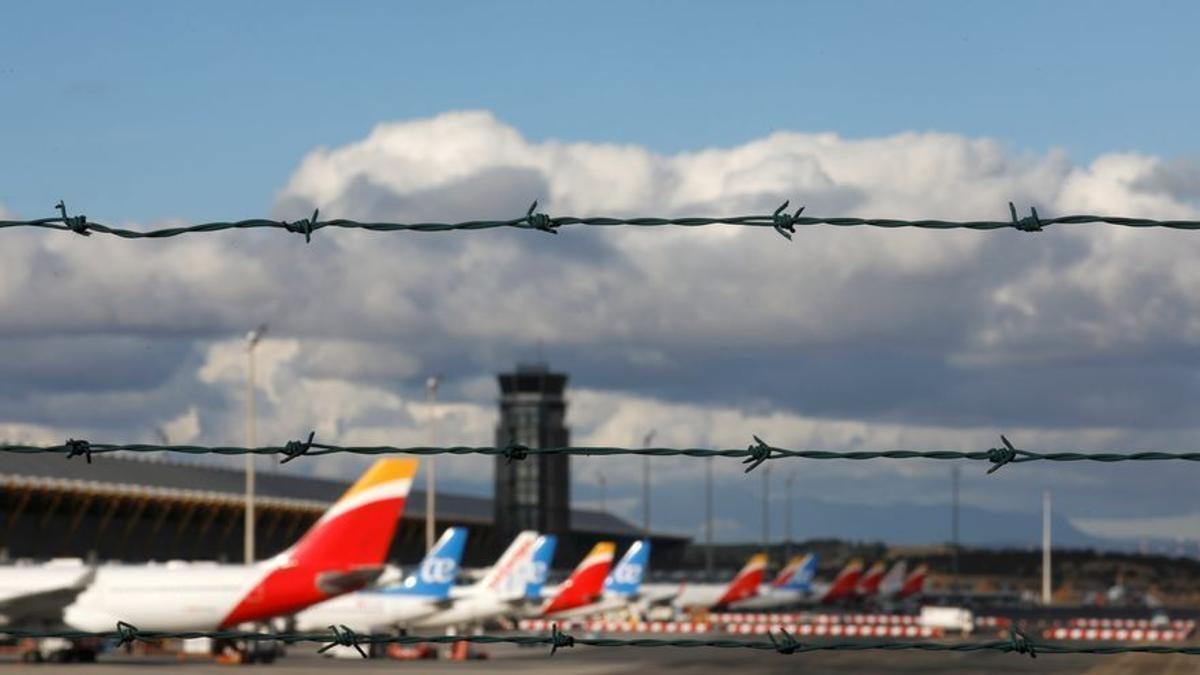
534	493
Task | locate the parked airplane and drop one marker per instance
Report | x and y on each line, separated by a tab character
893	581
914	584
424	591
501	591
539	566
868	584
621	586
586	583
793	585
707	596
343	551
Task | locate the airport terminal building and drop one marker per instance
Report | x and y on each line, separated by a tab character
127	509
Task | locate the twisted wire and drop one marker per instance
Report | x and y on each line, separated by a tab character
781	221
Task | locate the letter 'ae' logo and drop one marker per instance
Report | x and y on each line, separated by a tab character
628	573
437	571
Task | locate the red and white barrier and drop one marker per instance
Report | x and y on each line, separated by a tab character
1118	634
992	622
746	628
834	630
681	627
1144	624
806	617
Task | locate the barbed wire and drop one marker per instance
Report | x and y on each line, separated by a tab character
780	220
753	455
784	643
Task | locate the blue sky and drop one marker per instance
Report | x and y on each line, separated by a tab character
139	113
147	110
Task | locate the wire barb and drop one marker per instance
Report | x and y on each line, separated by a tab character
343	636
127	634
1001	456
515	451
759	453
559	639
786	644
1020	642
294	449
1030	224
77	224
303	226
540	221
78	448
784	222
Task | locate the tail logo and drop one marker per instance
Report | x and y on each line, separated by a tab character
437	570
628	573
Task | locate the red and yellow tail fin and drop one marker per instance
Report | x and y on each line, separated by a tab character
357	530
587	581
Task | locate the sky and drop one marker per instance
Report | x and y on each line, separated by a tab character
145	114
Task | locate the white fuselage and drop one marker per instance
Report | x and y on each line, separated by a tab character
471	607
609	603
168	598
686	596
368	611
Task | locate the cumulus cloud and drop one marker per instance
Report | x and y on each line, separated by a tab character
1078	337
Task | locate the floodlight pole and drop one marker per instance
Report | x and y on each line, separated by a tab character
252	340
431	387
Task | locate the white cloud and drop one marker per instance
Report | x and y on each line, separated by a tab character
1078	337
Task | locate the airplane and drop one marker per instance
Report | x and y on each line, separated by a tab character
712	596
586	583
868	584
893	581
791	586
620	588
841	589
539	565
342	552
501	590
914	584
424	591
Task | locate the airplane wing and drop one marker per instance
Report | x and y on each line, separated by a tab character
44	604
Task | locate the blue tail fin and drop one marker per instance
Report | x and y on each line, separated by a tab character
803	577
626	578
539	563
436	574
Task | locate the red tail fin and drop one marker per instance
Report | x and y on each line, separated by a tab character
747	581
342	552
843	585
357	530
869	583
915	583
586	582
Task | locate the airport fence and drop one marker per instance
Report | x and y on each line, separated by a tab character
780	639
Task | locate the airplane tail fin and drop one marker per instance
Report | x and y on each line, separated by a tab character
626	578
356	532
799	573
434	577
747	581
845	582
893	581
586	582
505	578
915	583
868	583
539	565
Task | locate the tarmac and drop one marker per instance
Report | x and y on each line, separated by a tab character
602	661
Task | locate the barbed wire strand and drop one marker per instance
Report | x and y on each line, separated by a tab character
753	455
1018	641
781	221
